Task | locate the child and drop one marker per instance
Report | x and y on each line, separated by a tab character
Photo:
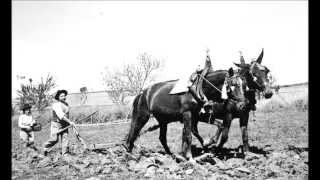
25	123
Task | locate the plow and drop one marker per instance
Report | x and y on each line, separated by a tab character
85	144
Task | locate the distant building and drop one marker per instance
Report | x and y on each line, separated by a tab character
91	99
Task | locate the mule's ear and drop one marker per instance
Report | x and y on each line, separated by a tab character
260	57
242	60
230	71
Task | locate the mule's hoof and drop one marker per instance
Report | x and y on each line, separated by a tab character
126	148
208	144
245	149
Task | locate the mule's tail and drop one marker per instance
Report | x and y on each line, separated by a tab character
134	111
140	116
135	105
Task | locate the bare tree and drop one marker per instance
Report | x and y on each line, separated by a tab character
132	78
36	94
116	86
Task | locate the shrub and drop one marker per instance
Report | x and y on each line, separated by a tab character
44	116
36	94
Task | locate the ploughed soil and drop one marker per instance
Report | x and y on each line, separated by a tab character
278	150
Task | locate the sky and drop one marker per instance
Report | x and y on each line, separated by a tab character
76	40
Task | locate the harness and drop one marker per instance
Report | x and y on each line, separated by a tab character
229	82
250	93
254	79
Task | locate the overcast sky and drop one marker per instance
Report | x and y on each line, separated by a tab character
74	41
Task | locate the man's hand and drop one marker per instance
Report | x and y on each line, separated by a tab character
68	121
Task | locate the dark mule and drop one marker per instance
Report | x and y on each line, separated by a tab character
236	106
255	78
167	108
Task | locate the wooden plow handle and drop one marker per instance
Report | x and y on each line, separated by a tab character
61	130
80	138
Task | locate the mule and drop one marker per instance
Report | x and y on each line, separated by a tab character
255	77
167	108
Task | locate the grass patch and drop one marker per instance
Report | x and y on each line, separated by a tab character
104	114
277	103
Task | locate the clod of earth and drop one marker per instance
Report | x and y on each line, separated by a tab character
93	178
243	169
152	165
151	171
235	162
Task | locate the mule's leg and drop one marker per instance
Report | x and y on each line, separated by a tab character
137	124
195	132
225	130
215	138
163	137
244	130
186	135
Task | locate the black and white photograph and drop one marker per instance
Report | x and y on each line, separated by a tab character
184	89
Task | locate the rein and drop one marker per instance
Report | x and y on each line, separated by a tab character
254	81
253	76
209	83
210	114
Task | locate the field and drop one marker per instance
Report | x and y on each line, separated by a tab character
278	138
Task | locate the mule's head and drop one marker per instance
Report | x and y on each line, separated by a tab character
236	87
256	75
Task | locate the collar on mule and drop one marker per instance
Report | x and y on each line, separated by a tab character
229	82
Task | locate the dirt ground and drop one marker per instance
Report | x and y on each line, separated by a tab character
278	140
